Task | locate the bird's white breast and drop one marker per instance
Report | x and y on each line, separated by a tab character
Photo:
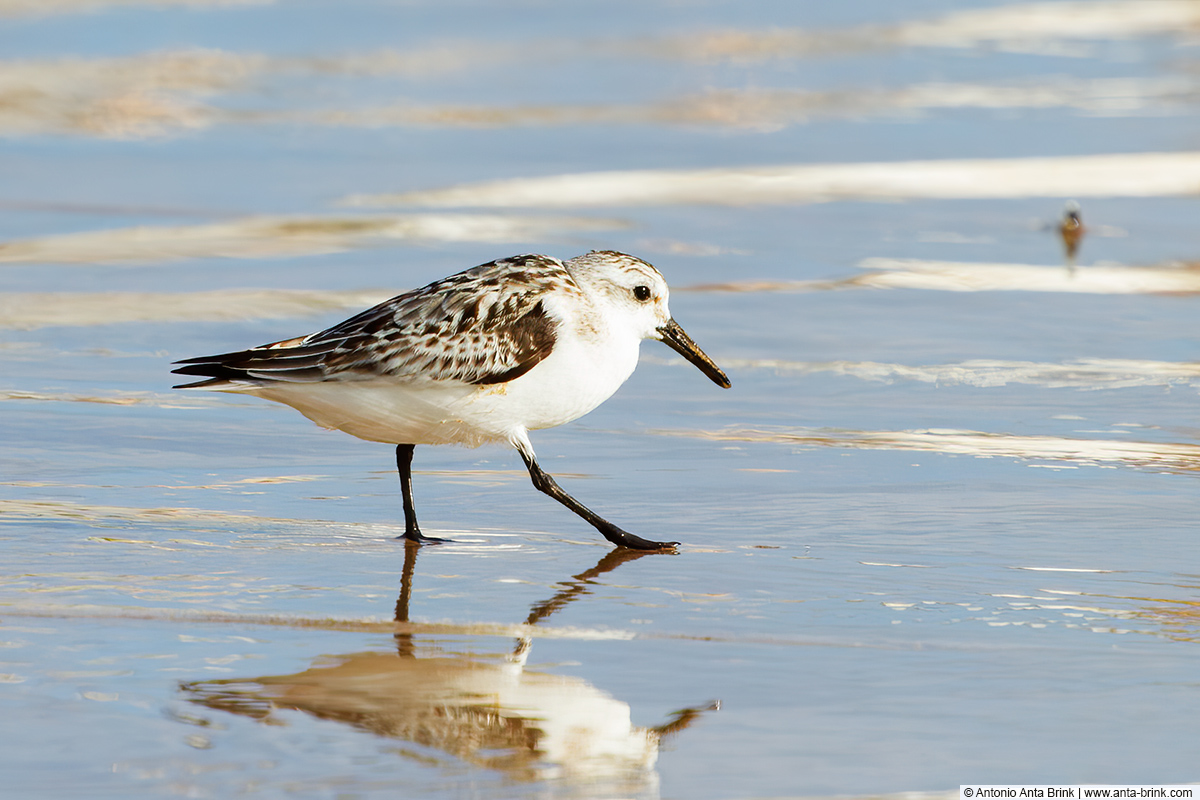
588	363
580	374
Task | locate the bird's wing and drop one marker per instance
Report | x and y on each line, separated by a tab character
486	325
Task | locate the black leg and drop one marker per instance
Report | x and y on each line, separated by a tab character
412	531
545	484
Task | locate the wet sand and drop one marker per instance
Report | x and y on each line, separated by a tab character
940	531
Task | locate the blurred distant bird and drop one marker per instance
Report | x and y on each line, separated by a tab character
1071	230
486	355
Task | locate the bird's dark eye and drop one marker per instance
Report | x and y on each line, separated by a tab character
642	293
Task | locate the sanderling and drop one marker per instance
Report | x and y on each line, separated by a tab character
486	355
1071	230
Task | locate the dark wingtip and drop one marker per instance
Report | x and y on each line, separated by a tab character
197	360
204	367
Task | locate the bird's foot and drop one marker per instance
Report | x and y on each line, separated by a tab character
623	538
416	538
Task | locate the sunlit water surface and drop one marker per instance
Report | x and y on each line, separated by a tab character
941	530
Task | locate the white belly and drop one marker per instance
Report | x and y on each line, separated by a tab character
567	384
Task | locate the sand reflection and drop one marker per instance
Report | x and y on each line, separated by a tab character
978	276
888	273
32	310
1115	175
1061	28
167	93
164	95
1161	456
1044	27
281	236
487	711
1083	373
771	109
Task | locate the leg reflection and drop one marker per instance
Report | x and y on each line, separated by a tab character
580	583
405	646
682	719
483	710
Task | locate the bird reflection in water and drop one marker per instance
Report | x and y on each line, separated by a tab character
488	712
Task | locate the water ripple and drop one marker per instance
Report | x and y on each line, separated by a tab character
1161	456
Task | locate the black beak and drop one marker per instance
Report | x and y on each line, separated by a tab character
681	343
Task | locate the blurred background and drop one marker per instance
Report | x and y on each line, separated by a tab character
941	530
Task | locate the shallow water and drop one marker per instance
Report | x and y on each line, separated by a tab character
940	531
